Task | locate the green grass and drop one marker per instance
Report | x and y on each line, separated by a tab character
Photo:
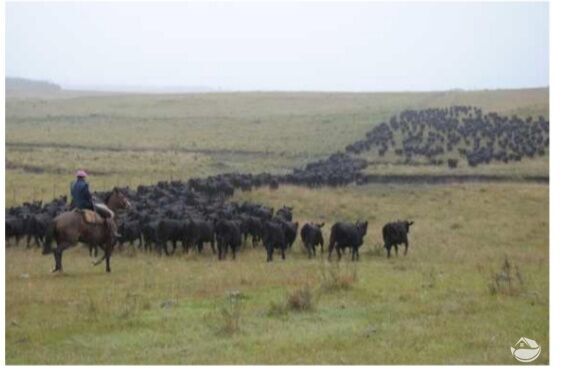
433	306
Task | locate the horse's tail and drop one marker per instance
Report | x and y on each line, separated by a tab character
49	237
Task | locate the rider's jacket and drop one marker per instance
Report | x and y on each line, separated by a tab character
81	195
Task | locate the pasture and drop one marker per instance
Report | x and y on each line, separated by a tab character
451	300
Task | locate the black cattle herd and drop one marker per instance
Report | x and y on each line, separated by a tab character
198	212
480	138
173	215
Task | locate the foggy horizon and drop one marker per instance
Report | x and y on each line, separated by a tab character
305	47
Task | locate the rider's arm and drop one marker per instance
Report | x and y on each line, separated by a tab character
87	193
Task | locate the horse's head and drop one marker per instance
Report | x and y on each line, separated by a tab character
117	200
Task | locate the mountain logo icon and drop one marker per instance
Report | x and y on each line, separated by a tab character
525	350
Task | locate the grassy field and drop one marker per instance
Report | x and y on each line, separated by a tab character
433	306
450	301
140	139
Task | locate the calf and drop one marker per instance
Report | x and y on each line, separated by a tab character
347	235
396	233
312	236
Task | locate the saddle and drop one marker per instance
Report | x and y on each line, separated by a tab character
98	216
91	217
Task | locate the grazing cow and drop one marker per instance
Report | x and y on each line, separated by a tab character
312	236
396	233
228	234
274	238
347	235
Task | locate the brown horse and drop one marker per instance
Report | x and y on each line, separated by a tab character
69	228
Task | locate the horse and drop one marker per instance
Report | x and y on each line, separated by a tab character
70	227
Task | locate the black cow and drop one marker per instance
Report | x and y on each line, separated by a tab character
15	227
286	213
290	230
347	235
228	234
251	226
170	230
150	235
274	238
36	228
396	233
312	236
201	232
130	232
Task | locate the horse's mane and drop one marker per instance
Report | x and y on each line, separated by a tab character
107	196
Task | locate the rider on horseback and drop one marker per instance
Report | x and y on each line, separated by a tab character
82	199
80	194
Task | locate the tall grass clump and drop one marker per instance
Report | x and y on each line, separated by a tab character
508	281
337	277
231	314
301	299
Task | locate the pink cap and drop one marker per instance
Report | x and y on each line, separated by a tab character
81	173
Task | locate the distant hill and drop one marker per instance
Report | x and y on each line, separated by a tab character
20	86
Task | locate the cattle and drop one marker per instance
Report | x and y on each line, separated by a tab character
394	234
130	232
345	235
228	235
286	213
36	228
150	235
201	232
479	138
274	239
289	230
312	236
170	230
251	226
15	228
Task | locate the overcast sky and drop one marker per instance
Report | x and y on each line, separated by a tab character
280	46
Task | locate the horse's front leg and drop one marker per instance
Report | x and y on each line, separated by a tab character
57	255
